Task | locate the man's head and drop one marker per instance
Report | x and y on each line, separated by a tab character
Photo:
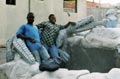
52	18
30	18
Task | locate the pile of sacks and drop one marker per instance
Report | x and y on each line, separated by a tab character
111	18
82	25
18	69
101	37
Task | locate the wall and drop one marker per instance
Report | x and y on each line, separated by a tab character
13	16
93	4
42	10
99	13
2	21
16	15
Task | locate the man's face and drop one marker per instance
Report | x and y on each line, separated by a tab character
52	19
30	19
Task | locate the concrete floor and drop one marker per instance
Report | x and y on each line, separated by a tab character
2	55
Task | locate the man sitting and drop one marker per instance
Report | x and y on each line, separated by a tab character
30	34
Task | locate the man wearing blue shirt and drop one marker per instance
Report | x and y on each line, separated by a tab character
31	35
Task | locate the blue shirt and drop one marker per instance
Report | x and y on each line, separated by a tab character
33	32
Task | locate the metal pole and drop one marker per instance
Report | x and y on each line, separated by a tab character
76	6
99	3
93	4
29	6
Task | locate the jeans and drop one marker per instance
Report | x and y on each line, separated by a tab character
41	54
53	51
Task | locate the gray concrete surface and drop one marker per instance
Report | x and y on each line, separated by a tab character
2	55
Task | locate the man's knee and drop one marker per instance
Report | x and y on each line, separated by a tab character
44	53
37	56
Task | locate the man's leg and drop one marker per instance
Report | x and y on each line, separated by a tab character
53	51
43	53
37	56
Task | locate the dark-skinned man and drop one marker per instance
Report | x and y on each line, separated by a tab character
49	34
31	35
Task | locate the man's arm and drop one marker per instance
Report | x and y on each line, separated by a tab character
26	38
39	26
73	23
42	25
20	34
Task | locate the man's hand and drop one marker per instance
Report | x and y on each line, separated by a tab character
32	40
26	38
73	23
